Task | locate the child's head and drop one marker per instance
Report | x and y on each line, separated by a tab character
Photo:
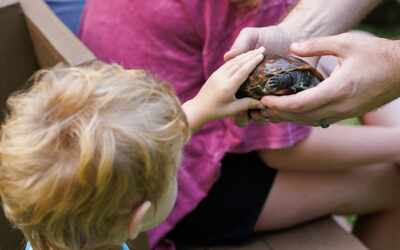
85	150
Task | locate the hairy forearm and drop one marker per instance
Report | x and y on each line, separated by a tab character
314	18
396	59
393	57
338	147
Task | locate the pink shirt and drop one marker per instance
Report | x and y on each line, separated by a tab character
183	42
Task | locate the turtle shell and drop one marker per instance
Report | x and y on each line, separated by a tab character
279	75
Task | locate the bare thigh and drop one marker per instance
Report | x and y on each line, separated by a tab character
300	196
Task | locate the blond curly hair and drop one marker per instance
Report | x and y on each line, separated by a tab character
82	148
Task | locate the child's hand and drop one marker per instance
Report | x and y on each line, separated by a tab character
216	99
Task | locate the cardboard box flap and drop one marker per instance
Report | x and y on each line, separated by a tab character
52	40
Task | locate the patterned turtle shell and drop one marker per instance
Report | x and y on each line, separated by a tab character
279	75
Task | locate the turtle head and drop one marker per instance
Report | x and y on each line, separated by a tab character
307	80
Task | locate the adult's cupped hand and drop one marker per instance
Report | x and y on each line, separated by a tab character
366	77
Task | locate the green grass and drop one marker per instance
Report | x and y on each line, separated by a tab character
351	219
352	121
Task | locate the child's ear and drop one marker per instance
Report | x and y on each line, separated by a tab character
136	218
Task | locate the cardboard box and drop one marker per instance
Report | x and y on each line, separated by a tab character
31	37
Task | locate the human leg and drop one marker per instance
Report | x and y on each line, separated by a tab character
354	171
230	209
338	147
300	196
381	230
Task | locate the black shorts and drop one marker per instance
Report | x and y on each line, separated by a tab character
229	212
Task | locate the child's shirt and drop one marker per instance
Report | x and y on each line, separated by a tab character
183	42
29	247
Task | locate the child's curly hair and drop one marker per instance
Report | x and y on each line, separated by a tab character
82	148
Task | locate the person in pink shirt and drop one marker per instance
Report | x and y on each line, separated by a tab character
226	189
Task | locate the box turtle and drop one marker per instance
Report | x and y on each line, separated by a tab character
279	75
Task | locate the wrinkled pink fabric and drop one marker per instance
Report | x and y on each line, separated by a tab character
183	42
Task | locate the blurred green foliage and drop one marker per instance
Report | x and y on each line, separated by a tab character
383	21
352	121
351	219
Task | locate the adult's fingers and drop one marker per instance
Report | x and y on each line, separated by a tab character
330	45
258	118
245	41
304	101
307	118
241	119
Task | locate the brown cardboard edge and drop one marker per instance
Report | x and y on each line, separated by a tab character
48	33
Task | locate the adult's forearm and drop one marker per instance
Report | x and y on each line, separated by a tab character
314	18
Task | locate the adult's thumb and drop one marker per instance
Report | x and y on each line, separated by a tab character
330	45
243	43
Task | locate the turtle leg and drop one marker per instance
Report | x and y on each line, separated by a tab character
282	81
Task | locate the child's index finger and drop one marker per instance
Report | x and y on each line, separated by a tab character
243	56
250	60
231	63
235	64
240	75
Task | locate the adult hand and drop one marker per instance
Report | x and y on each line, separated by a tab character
366	77
276	40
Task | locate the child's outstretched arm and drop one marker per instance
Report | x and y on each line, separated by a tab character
216	99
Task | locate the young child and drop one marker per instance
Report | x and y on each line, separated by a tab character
89	154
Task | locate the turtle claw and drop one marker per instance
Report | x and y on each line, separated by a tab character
280	81
274	82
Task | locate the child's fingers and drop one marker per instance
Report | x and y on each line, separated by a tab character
245	104
242	60
243	72
233	65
